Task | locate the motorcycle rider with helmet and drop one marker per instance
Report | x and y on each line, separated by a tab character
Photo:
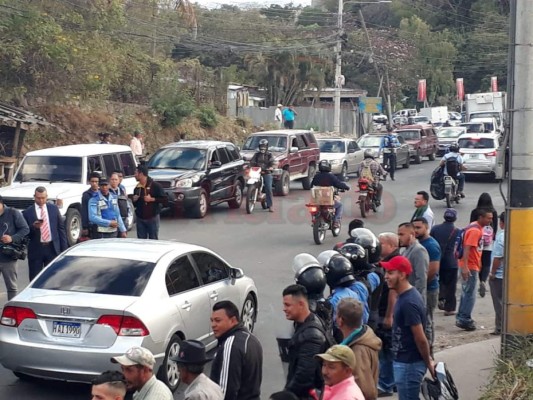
453	165
264	159
376	169
389	145
326	178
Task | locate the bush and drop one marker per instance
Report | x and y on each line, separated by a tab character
207	117
173	108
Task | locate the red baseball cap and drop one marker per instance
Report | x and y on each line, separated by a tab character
398	263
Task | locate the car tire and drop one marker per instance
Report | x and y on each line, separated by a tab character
199	210
133	216
306	182
168	372
418	157
283	184
432	157
73	226
237	196
407	161
249	313
343	176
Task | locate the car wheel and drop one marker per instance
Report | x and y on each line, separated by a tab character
306	182
283	184
418	157
168	372
249	313
407	161
73	226
237	199
132	218
200	209
432	157
344	173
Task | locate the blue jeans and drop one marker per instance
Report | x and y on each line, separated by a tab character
148	228
386	372
460	182
468	299
267	182
338	210
408	378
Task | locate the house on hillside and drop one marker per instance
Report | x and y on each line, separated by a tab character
243	96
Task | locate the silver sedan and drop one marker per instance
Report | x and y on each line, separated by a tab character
101	297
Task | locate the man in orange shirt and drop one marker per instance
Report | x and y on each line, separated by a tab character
470	265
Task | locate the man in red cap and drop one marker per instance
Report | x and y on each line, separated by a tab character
409	343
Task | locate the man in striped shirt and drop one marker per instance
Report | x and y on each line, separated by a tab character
238	363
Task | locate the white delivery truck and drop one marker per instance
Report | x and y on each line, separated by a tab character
486	105
435	114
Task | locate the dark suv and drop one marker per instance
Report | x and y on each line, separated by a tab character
296	153
422	141
196	174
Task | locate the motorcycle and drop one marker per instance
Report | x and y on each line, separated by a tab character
367	197
254	184
323	215
450	191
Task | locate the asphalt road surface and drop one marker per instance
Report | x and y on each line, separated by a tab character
264	244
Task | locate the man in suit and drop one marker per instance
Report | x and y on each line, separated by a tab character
47	232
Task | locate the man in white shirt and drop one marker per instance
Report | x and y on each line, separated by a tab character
278	117
191	360
137	144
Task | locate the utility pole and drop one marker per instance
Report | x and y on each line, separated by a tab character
518	301
338	71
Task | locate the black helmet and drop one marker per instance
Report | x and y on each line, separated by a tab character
263	145
454	148
339	271
324	166
366	239
355	253
310	274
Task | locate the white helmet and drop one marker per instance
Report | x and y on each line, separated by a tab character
302	262
324	257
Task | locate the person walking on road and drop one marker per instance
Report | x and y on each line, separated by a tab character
470	265
13	229
496	275
47	232
94	181
445	234
137	144
238	364
308	340
105	214
191	360
148	198
278	116
138	368
389	145
338	364
289	114
411	348
110	385
489	234
364	344
423	209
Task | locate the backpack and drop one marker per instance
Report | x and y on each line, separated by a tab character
488	235
452	166
366	172
459	241
442	388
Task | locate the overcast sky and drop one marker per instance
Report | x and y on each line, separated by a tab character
217	3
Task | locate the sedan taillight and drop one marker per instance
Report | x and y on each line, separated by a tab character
491	154
13	316
124	325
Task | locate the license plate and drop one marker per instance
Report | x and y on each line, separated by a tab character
473	156
66	329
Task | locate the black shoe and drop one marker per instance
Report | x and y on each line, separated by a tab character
392	178
382	393
441	304
496	333
467	327
462	195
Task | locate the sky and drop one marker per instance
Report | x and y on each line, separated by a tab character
217	3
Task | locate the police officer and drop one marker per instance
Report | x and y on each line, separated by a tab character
389	146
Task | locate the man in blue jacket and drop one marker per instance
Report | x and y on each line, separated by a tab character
326	178
389	146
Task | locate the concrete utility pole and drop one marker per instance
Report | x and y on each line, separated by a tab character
338	71
518	298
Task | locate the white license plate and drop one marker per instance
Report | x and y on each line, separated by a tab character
473	156
66	329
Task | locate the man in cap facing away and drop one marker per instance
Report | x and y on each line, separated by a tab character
138	369
191	361
338	364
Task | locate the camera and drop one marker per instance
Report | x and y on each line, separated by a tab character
17	251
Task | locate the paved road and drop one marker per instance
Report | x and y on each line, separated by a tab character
264	245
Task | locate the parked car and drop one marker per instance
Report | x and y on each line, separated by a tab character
373	141
422	141
448	136
479	152
407	112
64	172
344	155
197	174
399	121
380	118
101	297
474	127
418	119
296	153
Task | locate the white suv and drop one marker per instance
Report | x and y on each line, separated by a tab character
64	172
479	152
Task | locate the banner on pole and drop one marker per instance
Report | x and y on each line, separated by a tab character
459	84
494	83
422	90
370	105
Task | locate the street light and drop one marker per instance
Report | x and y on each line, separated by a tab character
339	81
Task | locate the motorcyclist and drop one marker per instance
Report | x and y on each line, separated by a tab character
264	159
453	165
375	171
326	178
389	145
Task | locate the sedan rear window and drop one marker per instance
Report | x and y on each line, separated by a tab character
477	143
332	146
370	141
96	275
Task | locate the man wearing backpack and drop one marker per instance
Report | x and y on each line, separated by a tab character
389	146
372	170
453	165
470	264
